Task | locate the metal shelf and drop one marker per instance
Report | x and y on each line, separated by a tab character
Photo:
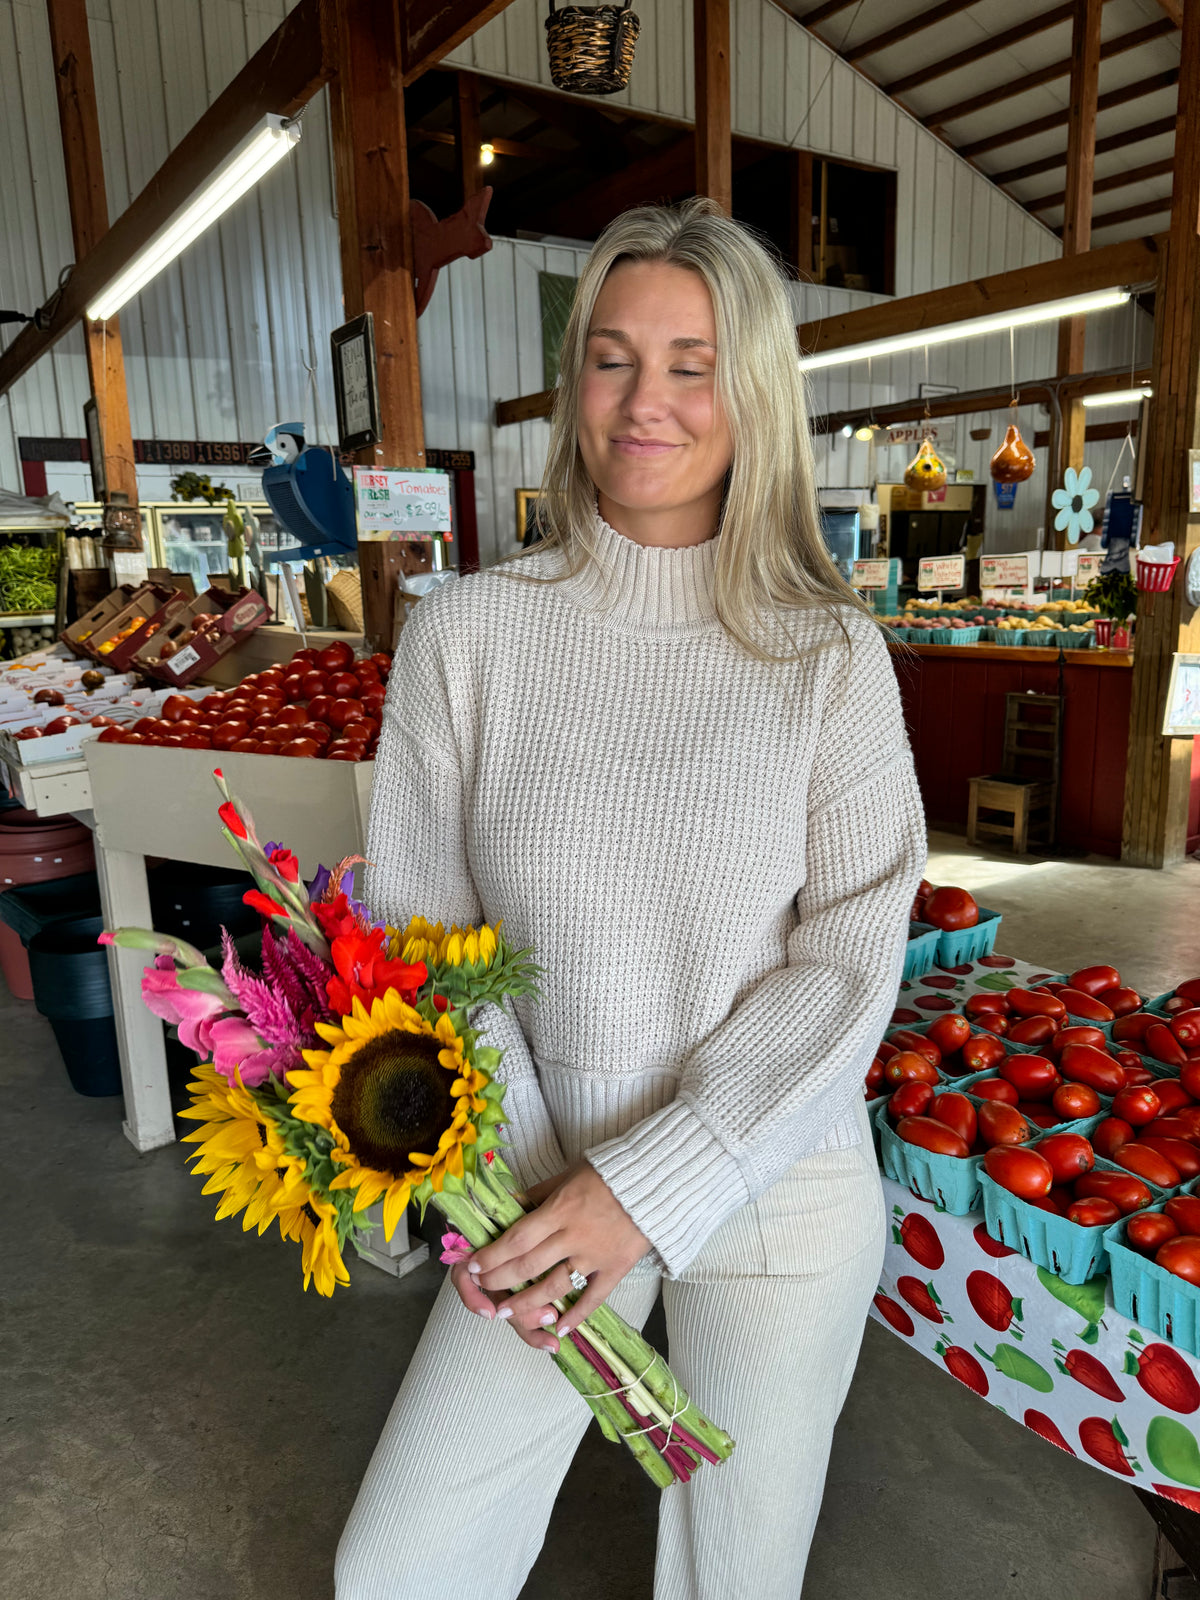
28	619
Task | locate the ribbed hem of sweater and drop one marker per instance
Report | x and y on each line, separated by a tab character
646	590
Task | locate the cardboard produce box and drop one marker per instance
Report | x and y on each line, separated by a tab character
179	651
79	634
133	627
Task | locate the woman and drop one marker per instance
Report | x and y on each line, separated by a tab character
666	746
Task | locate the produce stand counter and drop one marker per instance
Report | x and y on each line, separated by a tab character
1057	1357
954	703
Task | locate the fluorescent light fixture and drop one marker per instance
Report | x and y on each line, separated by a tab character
487	154
268	142
1076	306
1118	397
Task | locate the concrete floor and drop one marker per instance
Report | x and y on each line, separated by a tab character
181	1423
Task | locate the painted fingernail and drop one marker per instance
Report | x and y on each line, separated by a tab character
563	1330
547	1319
486	1312
473	1266
552	1348
504	1311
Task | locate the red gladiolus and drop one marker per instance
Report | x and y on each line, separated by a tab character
440	1002
228	814
336	919
285	863
261	902
363	972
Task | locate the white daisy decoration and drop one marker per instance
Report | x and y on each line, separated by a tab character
1074	502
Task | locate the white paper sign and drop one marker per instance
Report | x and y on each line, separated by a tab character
872	574
941	572
1089	566
1004	572
393	504
1182	718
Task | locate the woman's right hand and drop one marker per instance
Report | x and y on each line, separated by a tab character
482	1304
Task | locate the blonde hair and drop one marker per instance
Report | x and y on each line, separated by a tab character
771	555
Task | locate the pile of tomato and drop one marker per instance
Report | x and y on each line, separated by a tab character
1170	1237
320	704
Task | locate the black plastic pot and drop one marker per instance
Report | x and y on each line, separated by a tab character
71	989
195	902
89	1050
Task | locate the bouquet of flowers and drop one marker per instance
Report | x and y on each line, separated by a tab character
345	1074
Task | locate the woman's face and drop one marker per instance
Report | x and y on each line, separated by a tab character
652	433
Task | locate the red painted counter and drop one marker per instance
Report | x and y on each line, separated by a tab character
954	706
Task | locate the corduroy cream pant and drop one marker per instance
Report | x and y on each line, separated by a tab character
764	1329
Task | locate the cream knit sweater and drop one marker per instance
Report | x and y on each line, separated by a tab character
712	857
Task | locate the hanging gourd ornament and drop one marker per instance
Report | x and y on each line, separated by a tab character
925	470
1013	462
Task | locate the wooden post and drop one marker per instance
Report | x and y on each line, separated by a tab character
714	134
1067	426
1157	778
802	200
371	166
466	134
88	201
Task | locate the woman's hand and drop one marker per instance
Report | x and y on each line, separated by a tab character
578	1220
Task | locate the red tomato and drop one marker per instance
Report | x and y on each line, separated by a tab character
1128	1193
341	712
313	684
981	1053
196	741
1188	1117
359	728
1095	1213
1138	1106
307	748
292	688
127	738
344	753
1091	980
885	1050
100	722
343	685
1022	1172
1033	1077
995	1089
306	658
29	733
1039	1114
1111	1134
1036	1031
290	716
318	731
1184	1212
1181	1153
1162	1044
911	1099
1138	1157
1084	1005
267	733
175	706
1076	1035
950	1032
934	1136
1180	1256
906	1039
1047	1202
1137	1076
245	747
1185	1025
1082	1063
225	734
1190	990
1001	1124
873	1082
373	700
950	909
336	657
994	1021
114	734
1170	1128
1069	1155
1172	1093
318	707
976	1004
1127	1030
1032	1003
1071	1100
909	1067
1121	1002
60	725
266	705
383	660
957	1112
1145	1233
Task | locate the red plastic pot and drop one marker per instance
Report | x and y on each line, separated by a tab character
14	963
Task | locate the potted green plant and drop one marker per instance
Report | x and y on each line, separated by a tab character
1114	595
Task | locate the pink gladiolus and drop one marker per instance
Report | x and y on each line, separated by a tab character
236	1047
455	1248
185	1009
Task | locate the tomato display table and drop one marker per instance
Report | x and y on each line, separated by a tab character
1057	1358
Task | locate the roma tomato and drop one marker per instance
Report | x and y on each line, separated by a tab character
909	1067
1038	1112
1185	1025
1095	1213
981	1052
1032	1003
950	908
1180	1256
1184	1212
976	1004
1069	1155
1082	1063
995	1089
1137	1076
1071	1100
1001	1124
903	1039
1092	980
1077	1035
950	1032
1173	1127
910	1100
1172	1093
1034	1077
928	1134
1085	1006
1138	1106
873	1082
1189	1077
1121	1002
1189	991
1128	1030
1138	1157
957	1112
1145	1233
994	1022
885	1051
1110	1135
1128	1193
1162	1044
1181	1153
1022	1172
1037	1031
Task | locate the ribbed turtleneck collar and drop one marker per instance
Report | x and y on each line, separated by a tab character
644	589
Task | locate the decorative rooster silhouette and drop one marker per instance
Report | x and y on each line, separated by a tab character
436	244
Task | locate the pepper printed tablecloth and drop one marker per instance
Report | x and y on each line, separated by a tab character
1057	1358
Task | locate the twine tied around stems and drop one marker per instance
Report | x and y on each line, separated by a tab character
624	1388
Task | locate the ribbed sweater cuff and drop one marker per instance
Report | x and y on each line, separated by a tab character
531	1150
674	1178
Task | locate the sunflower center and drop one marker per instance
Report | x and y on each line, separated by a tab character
394	1097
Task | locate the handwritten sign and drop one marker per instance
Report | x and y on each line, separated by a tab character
395	504
872	574
1004	572
941	572
1182	717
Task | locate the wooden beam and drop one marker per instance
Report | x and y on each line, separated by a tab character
1068	422
86	196
1158	771
525	408
802	212
905	30
502	147
1172	9
979	52
466	135
714	132
1034	80
430	29
1093	433
1017	131
1116	180
281	77
819	14
1113	141
1130	261
1144	208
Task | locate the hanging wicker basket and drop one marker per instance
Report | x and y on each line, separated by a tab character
591	47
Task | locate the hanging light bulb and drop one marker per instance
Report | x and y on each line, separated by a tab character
847	430
487	154
925	470
866	433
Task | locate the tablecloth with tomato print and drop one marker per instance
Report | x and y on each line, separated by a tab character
1053	1356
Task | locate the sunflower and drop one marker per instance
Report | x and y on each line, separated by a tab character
429	942
392	1088
322	1257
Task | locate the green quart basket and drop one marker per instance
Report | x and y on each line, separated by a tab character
951	1182
1150	1295
954	636
1067	640
1010	636
968	944
920	953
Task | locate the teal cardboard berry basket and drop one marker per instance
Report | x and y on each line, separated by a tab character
951	1182
1010	636
1150	1295
953	636
968	944
920	954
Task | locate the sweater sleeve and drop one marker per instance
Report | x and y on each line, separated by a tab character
766	1086
417	850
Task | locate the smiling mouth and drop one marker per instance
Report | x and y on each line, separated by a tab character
643	447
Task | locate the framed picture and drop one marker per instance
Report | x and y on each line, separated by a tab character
355	383
91	424
1182	717
527	532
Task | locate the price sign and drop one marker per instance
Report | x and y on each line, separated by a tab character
941	572
1004	572
401	505
1182	717
872	574
1089	566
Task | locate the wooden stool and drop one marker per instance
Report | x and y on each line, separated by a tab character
1026	789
